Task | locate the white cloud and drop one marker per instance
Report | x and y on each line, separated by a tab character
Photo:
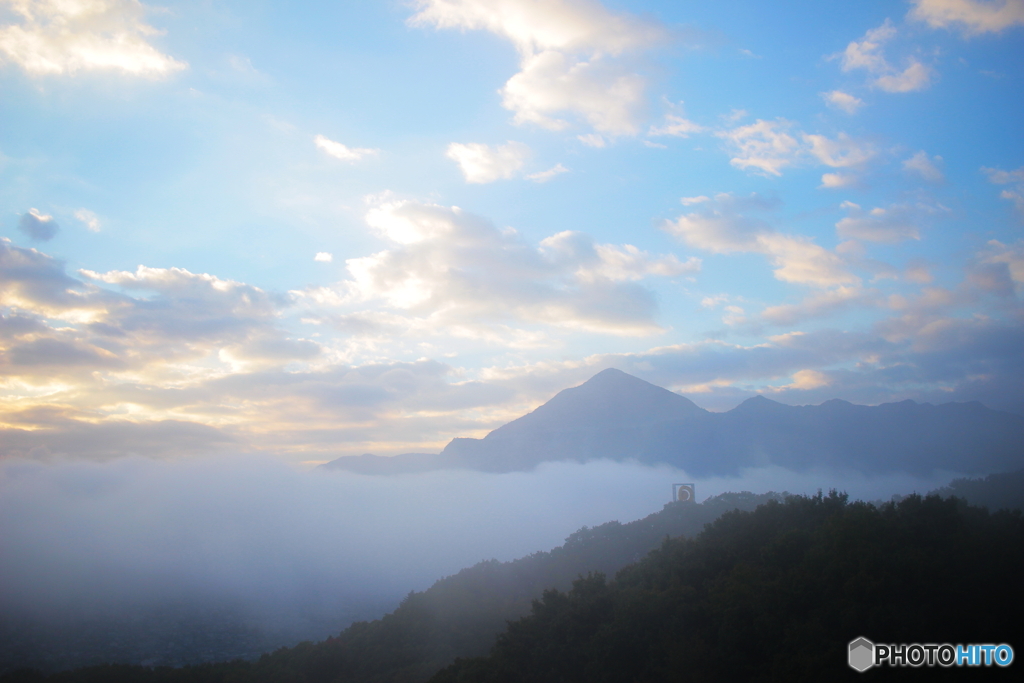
482	163
340	151
592	140
538	25
843	152
1015	179
763	145
61	37
567	50
604	95
768	147
545	176
720	228
916	76
91	220
323	257
833	181
714	301
690	201
925	167
1001	177
450	269
890	225
842	100
972	16
868	54
624	263
676	126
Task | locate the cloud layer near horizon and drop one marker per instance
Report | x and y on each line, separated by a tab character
275	543
165	362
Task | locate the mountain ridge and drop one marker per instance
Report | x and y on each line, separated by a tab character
619	417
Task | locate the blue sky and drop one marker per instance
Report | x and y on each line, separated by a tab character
348	227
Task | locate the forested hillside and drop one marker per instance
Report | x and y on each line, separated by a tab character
776	595
772	593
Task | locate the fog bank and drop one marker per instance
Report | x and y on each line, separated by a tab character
304	553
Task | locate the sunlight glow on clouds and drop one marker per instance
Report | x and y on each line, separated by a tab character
567	50
450	268
67	36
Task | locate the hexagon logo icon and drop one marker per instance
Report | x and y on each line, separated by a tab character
862	654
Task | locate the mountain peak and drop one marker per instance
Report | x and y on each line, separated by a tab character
759	404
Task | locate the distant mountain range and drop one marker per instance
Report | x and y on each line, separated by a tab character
620	417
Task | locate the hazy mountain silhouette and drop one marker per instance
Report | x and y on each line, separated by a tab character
617	416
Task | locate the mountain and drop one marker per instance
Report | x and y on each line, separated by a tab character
612	415
617	416
774	595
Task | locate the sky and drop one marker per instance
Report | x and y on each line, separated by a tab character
322	229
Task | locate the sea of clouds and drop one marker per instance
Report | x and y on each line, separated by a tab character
306	552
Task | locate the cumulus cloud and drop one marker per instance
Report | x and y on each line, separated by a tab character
891	225
568	50
768	147
925	166
868	54
323	257
843	101
448	268
765	146
972	17
57	38
183	317
534	26
721	228
340	151
482	163
603	94
38	226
